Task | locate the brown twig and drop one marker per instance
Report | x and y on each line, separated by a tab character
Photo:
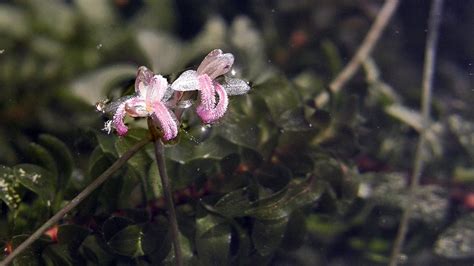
427	87
362	53
74	202
160	160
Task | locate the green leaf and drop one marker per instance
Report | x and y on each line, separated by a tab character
279	96
72	236
277	206
186	251
28	216
61	155
113	225
275	177
99	162
31	255
234	203
294	120
106	143
9	188
213	237
128	241
153	182
140	161
243	131
36	179
281	204
57	254
42	157
295	231
187	150
156	240
267	235
193	170
93	250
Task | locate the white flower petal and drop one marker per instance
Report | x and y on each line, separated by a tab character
187	81
235	86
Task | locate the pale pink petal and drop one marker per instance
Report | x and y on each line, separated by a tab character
211	56
164	118
136	107
187	81
118	120
142	82
235	86
216	64
207	94
211	115
156	90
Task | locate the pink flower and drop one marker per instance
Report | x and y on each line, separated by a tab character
213	95
151	94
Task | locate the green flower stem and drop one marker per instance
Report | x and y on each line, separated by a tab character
427	87
160	160
78	199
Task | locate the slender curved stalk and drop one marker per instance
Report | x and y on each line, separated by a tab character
427	87
74	202
165	182
362	53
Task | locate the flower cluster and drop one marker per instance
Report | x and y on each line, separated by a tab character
154	96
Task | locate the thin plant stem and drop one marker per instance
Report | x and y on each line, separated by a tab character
427	87
76	201
362	53
165	181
